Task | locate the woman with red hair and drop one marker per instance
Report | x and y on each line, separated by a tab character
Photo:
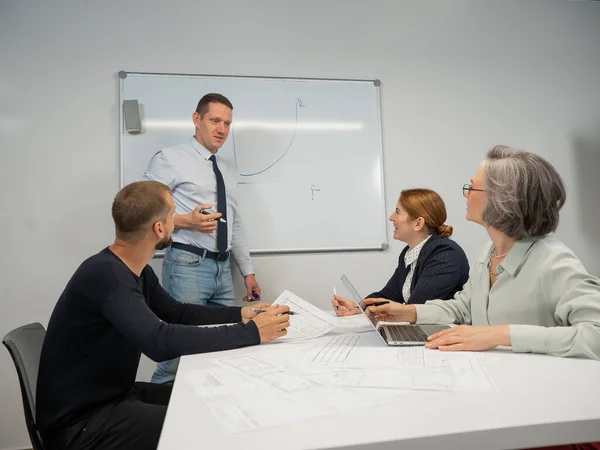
431	265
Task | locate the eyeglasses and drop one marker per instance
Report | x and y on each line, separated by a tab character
467	188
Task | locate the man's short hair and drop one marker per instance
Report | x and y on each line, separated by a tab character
202	107
137	206
524	193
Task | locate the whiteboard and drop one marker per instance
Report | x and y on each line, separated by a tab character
308	153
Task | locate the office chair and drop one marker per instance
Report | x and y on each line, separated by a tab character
25	347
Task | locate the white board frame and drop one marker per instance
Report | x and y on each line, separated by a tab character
376	82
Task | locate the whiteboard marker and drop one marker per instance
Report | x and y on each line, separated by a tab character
206	213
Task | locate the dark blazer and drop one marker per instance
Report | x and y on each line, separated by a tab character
441	270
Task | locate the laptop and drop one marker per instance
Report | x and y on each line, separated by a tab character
400	334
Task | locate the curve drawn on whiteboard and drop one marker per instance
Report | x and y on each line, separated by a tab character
299	104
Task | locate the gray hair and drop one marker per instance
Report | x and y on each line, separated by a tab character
524	193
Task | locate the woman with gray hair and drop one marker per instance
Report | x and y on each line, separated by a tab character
526	289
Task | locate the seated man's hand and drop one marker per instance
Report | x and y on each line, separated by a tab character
344	307
248	314
272	324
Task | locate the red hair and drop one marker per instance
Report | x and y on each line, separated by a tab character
429	205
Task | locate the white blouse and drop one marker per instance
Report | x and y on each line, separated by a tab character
410	260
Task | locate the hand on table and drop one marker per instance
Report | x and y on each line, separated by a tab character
470	338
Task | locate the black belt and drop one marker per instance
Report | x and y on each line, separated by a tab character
202	252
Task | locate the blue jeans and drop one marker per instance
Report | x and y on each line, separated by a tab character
190	279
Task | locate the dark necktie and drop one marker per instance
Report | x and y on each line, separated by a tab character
221	207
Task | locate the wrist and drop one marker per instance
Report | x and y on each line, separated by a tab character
181	221
504	335
411	314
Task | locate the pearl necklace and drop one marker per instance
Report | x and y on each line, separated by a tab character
498	256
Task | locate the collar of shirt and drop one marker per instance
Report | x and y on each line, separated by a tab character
413	254
515	257
200	149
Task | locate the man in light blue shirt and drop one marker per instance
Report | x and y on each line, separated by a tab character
208	225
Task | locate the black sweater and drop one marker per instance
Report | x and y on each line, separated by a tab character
105	318
441	270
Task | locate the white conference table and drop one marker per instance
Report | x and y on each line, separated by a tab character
540	400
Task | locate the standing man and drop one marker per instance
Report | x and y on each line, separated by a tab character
208	225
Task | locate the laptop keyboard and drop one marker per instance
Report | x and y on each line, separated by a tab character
406	333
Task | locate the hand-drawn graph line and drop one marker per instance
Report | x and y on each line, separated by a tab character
299	104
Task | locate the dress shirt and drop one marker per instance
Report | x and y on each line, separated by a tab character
543	292
188	172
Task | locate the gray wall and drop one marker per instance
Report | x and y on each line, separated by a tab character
458	76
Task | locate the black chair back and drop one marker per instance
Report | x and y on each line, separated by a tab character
25	347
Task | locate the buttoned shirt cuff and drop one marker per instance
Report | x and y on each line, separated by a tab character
246	268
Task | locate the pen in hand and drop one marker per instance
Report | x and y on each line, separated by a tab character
385	302
206	213
259	310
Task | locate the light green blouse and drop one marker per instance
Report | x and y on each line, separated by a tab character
543	292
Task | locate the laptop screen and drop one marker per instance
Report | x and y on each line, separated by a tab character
355	295
357	298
